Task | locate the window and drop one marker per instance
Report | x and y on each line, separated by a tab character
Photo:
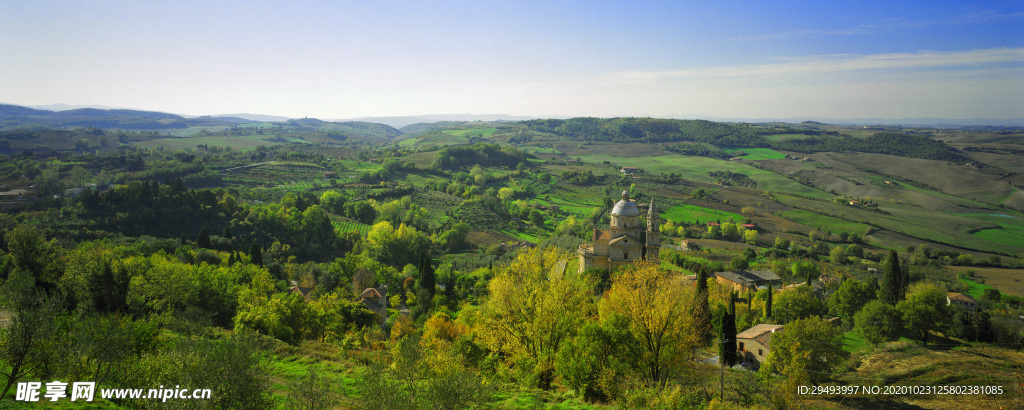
760	353
741	346
625	255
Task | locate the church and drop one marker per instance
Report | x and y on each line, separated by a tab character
625	241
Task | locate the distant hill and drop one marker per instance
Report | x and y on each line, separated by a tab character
403	121
66	107
19	117
253	117
365	129
691	133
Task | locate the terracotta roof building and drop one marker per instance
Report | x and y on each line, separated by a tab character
962	300
754	344
375	299
749	279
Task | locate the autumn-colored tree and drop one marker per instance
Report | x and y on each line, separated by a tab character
528	316
655	303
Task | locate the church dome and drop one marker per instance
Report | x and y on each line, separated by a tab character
625	207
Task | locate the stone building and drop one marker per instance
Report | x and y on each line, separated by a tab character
625	241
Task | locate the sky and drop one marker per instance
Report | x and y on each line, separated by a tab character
339	59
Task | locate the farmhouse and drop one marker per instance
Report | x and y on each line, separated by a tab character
625	241
749	279
629	170
754	344
376	301
962	300
305	292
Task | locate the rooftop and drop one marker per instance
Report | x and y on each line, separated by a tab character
758	330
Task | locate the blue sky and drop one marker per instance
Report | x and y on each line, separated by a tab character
332	59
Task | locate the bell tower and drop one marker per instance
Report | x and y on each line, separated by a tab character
653	244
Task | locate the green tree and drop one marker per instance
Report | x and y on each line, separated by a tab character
851	296
924	309
878	322
768	304
598	354
34	326
35	255
797	304
837	255
806	351
750	237
255	254
805	270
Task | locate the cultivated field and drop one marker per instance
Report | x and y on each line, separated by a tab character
236	142
1008	281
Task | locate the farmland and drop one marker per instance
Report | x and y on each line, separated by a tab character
753	154
239	142
691	213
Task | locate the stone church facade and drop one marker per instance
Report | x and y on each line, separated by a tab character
625	241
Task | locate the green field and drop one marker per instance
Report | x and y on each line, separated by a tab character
974	289
236	142
835	225
689	213
472	132
406	143
540	150
190	131
575	208
346	226
697	168
756	153
442	139
1011	231
523	236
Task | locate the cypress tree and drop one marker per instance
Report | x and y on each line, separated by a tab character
701	310
203	241
427	278
728	349
184	239
892	279
256	254
702	281
227	232
768	304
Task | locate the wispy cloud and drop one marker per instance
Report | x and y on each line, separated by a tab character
833	63
982	17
